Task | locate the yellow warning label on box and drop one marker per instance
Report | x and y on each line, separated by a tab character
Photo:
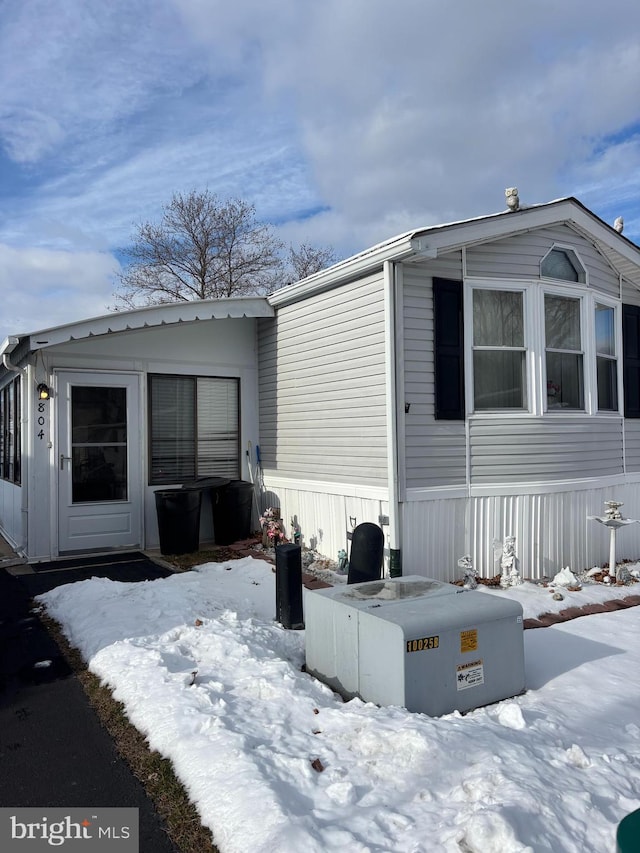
469	640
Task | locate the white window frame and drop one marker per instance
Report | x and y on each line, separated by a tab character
534	291
587	341
608	302
510	287
563	247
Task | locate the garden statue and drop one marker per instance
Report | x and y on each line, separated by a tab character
470	573
509	564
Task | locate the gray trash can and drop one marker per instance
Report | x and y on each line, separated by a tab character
178	512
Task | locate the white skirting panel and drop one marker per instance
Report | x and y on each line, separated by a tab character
323	518
551	530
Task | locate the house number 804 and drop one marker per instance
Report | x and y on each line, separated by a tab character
41	421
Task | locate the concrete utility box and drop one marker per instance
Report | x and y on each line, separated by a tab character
428	646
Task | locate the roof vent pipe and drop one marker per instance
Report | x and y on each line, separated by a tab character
513	202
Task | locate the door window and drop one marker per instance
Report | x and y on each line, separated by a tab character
98	444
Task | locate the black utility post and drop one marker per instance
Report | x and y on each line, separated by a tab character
289	586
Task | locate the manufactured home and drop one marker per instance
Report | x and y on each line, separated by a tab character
456	384
97	415
460	384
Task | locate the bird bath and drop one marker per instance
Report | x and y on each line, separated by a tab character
613	521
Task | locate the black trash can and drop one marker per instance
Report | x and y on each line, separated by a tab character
232	506
207	483
178	513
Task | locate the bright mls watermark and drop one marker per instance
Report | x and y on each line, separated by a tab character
83	830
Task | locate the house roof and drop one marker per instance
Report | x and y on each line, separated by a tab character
435	240
140	318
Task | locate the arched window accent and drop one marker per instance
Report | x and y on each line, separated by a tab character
562	264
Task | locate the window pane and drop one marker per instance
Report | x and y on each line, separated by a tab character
2	430
99	473
98	443
173	440
605	336
98	415
557	264
194	428
607	384
497	319
498	378
10	434
562	323
218	427
564	381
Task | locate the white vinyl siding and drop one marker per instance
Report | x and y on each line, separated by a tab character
519	257
322	387
632	445
630	293
434	450
531	450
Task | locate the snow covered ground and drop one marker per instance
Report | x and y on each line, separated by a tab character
217	687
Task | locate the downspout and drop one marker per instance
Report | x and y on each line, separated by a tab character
395	535
10	344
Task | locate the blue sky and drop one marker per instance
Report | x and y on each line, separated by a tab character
344	121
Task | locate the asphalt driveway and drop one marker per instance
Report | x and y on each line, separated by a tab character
53	748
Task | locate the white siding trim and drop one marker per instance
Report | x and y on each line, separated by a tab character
443	492
273	483
555	486
436	494
393	366
400	416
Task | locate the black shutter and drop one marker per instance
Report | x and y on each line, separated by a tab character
449	349
631	360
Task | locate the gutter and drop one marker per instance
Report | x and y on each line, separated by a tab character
396	249
7	348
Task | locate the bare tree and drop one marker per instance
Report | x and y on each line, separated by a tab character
202	248
307	260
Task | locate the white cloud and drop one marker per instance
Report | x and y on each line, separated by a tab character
42	288
417	112
80	66
27	133
381	115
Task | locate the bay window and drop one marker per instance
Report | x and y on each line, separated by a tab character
537	348
193	428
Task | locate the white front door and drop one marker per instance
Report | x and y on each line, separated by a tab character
99	461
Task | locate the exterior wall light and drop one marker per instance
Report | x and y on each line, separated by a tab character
43	391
